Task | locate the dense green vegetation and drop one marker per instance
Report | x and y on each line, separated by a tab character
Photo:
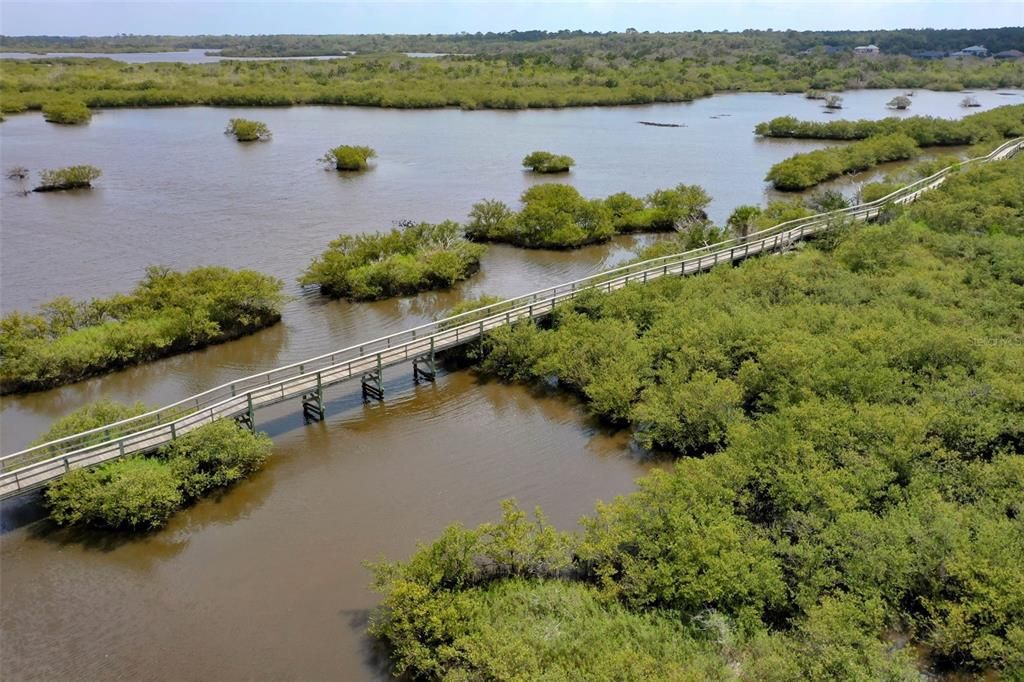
545	78
399	262
546	162
348	157
557	216
847	505
67	112
168	312
890	139
802	171
142	492
72	177
565	42
927	131
245	130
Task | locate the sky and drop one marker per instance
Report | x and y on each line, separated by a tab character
191	17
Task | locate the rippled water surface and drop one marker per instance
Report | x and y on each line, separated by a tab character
266	582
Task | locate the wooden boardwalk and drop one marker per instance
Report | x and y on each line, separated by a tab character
306	381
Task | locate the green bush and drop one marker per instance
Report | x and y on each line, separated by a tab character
927	131
806	170
348	157
143	492
557	216
168	312
67	112
215	456
72	177
546	162
400	262
135	493
245	130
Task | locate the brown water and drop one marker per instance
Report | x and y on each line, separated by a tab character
266	582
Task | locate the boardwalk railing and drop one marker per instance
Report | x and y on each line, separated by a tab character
36	466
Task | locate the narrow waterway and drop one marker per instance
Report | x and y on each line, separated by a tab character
266	581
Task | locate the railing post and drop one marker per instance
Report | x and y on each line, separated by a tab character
252	412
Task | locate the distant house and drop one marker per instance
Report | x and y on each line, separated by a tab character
866	49
972	51
1009	54
929	54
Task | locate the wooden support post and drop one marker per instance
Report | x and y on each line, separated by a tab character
373	383
312	408
428	374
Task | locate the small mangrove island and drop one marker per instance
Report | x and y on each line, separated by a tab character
546	162
348	157
59	179
168	312
141	492
556	216
400	262
245	130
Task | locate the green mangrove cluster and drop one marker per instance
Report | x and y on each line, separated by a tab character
890	139
402	261
558	216
849	416
142	492
168	312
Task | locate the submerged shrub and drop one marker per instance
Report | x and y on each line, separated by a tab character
348	157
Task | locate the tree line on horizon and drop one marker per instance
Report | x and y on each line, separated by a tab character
632	43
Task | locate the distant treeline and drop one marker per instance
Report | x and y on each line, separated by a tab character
631	43
514	82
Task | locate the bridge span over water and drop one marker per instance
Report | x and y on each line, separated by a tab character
307	381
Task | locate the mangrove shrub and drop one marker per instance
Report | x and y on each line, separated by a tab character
558	216
168	312
72	177
399	262
546	162
806	170
67	112
348	157
245	130
848	417
142	492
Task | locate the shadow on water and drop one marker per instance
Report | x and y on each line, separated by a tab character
376	654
